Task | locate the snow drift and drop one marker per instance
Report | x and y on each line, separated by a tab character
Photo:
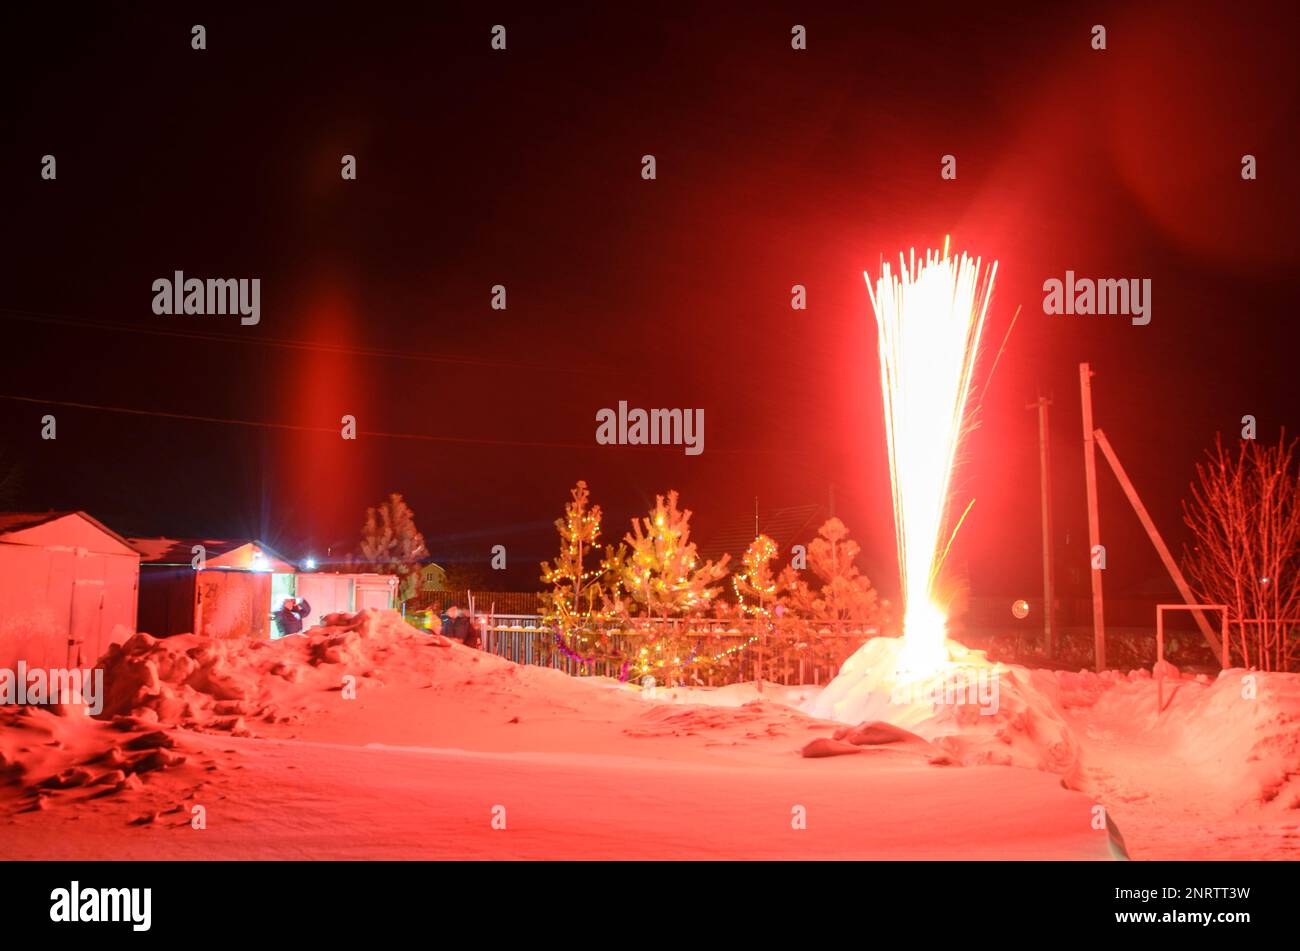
200	682
310	724
980	713
156	689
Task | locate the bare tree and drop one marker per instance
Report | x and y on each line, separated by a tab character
1245	515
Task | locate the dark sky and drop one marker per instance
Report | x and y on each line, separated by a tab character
522	167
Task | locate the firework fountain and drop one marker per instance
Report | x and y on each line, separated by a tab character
930	322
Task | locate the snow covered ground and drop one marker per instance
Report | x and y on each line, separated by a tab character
446	752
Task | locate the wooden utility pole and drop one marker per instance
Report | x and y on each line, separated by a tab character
1094	519
1045	492
1161	548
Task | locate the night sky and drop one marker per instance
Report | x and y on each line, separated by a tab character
775	167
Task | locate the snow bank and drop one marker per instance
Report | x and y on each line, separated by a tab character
978	712
1236	739
156	686
201	682
172	704
51	757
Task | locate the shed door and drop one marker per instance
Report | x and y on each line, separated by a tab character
327	594
371	594
87	621
234	603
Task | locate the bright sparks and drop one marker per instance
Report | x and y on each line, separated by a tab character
929	320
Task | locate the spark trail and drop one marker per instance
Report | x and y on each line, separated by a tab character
930	319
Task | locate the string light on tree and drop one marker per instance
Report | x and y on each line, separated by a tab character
580	598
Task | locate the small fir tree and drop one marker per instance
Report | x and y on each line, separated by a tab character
580	598
391	544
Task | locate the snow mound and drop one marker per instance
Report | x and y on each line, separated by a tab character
201	682
1239	735
47	758
155	689
1235	739
978	712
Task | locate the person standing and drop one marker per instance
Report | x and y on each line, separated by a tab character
460	626
288	620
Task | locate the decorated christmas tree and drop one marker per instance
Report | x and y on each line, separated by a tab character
757	591
756	587
663	575
663	572
580	598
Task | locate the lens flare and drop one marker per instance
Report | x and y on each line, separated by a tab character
930	318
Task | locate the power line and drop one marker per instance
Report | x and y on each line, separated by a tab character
293	427
34	317
334	431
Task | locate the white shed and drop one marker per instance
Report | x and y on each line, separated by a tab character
67	589
344	593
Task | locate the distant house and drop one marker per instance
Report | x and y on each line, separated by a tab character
67	589
213	587
432	577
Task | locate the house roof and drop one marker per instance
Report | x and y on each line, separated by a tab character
180	551
19	521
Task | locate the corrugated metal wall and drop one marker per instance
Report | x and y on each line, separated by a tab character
49	597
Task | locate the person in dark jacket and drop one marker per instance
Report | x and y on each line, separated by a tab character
458	625
453	624
471	637
288	620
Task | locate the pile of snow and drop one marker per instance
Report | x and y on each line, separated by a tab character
1235	739
156	688
978	712
162	746
216	683
49	756
1070	689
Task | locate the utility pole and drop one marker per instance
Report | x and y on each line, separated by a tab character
1045	492
1162	549
1094	520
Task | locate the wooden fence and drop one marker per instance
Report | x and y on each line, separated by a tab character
508	603
746	646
